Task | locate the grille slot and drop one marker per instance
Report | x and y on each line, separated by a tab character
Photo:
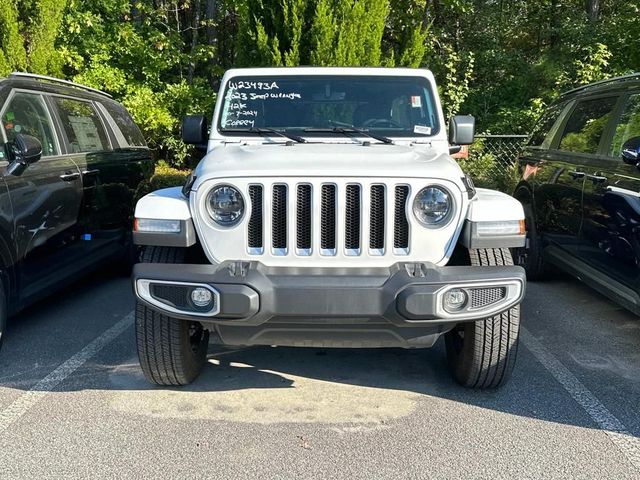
254	229
400	223
352	218
376	218
328	217
482	297
303	218
279	218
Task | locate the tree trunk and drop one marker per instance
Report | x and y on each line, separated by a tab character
555	24
211	12
426	16
194	41
211	15
592	8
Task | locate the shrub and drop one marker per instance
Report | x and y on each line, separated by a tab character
480	165
487	171
163	177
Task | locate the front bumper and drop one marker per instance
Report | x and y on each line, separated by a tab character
398	299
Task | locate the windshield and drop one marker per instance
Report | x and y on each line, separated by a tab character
300	104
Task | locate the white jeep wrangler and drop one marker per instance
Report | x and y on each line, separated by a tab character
328	212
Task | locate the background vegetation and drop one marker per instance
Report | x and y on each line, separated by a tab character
501	61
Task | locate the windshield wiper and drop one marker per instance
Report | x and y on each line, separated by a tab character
261	130
347	130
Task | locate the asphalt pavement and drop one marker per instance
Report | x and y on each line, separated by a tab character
74	403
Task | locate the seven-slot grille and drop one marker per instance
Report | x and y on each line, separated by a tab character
353	217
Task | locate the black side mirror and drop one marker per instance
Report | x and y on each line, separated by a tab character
195	130
461	130
23	151
631	151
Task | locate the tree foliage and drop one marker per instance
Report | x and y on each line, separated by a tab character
500	61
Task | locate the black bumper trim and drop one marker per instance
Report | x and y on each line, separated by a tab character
252	293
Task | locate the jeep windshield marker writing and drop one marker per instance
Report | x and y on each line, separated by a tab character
365	234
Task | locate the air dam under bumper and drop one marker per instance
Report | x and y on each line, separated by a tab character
399	306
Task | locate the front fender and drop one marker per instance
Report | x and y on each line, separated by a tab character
163	218
494	220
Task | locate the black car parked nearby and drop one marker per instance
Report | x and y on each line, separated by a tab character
71	160
581	189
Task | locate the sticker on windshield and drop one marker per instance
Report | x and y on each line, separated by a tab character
422	129
416	101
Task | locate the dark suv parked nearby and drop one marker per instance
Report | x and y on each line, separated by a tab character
71	160
581	189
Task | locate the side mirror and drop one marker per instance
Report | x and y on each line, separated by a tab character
631	151
23	151
462	130
194	130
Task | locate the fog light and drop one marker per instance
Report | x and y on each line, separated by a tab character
201	297
455	299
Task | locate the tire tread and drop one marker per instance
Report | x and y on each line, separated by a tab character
488	354
163	342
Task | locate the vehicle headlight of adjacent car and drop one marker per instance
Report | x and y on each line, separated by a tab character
225	205
433	206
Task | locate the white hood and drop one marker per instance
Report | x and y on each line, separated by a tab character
327	160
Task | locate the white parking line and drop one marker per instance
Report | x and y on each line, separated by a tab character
628	444
28	399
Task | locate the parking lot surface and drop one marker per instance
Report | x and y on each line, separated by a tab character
74	403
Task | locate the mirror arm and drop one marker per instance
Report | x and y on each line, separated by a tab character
15	167
453	149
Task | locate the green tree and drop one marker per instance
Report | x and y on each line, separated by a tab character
13	55
44	18
503	62
322	33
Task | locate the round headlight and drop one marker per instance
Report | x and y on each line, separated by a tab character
432	206
225	205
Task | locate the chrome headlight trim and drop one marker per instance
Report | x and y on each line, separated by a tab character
216	217
446	218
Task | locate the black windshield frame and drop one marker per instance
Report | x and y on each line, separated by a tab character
352	95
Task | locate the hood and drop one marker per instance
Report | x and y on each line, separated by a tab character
326	160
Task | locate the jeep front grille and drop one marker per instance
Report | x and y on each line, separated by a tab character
352	223
279	219
376	218
327	217
303	216
400	224
255	221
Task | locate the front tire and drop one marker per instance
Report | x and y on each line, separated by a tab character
529	257
171	351
482	354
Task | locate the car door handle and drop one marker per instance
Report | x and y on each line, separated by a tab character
597	178
89	173
70	177
576	175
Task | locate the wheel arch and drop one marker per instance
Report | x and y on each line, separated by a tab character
8	273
